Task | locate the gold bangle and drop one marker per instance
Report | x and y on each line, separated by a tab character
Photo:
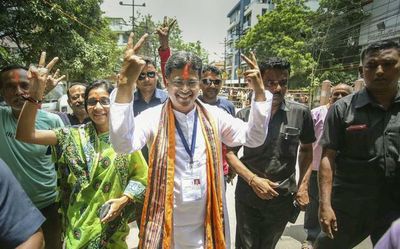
252	178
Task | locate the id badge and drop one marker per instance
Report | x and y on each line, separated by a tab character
191	188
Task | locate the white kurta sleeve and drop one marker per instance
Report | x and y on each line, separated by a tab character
234	132
125	136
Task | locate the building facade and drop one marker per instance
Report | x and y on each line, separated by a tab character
382	23
242	17
121	28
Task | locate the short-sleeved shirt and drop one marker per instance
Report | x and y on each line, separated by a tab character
318	114
19	218
276	158
366	138
31	164
159	97
224	104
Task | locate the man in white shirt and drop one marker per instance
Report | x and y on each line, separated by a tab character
184	205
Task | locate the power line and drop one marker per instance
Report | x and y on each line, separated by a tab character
72	17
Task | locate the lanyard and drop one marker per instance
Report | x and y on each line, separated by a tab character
185	143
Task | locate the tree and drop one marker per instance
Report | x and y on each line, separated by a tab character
338	55
73	30
145	24
284	32
320	45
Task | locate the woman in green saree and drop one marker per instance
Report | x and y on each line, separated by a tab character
96	174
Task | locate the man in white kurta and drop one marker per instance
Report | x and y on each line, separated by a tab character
130	134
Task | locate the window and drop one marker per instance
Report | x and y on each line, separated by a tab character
263	11
247	20
125	38
233	17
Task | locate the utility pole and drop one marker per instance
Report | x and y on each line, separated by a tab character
225	55
133	10
240	30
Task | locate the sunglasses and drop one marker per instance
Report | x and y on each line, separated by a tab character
275	83
209	81
149	75
104	101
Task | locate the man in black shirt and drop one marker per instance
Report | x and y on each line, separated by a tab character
359	175
267	188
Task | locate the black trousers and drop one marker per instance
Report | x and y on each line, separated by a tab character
311	222
357	219
257	227
52	227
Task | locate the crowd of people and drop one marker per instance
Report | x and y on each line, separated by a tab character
163	157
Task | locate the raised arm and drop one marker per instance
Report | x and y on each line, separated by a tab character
252	134
40	81
121	109
253	77
163	36
131	68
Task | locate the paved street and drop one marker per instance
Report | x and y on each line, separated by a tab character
291	239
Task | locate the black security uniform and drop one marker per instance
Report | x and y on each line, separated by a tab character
260	223
366	184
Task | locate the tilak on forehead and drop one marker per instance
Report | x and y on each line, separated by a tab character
15	75
186	71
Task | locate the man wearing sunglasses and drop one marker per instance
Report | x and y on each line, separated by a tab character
147	95
210	86
267	189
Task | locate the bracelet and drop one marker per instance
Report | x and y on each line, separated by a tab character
32	100
252	178
38	103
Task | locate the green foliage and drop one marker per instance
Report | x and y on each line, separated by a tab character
320	45
339	23
339	74
72	30
145	24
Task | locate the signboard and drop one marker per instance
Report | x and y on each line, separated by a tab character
383	22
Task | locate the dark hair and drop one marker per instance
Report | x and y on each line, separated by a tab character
9	68
180	59
213	69
380	45
75	84
274	63
97	84
148	60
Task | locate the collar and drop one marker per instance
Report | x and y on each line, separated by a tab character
202	100
158	93
182	117
138	95
285	106
364	98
